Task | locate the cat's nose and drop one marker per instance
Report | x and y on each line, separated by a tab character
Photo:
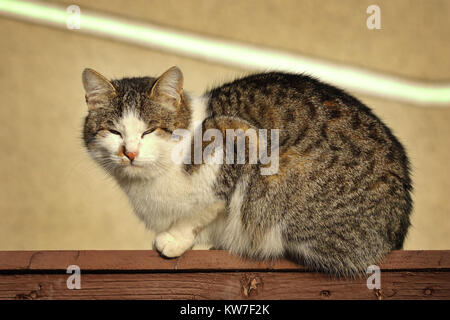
130	155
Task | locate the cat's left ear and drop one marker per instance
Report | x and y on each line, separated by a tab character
168	88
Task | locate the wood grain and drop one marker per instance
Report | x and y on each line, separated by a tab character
226	285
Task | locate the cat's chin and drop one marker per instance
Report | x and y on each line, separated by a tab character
132	169
135	171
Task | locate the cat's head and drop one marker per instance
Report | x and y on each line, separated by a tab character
130	122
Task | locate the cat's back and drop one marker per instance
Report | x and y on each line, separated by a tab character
260	94
302	108
282	100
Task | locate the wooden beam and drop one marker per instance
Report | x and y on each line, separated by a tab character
211	274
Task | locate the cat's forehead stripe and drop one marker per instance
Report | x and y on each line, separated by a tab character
131	121
131	99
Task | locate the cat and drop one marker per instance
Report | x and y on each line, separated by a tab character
339	201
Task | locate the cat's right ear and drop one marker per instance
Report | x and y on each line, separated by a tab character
99	90
168	88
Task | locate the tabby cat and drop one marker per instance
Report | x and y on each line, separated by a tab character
339	197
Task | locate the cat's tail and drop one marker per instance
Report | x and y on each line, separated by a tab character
333	261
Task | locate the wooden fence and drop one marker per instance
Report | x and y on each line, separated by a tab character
210	274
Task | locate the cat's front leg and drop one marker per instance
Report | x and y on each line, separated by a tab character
180	237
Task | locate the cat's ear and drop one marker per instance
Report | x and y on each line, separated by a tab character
99	90
168	88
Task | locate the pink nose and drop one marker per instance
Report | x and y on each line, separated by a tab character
131	155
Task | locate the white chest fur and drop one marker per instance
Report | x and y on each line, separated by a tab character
162	200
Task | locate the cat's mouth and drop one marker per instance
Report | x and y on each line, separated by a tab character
131	164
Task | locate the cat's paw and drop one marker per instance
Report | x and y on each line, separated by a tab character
170	246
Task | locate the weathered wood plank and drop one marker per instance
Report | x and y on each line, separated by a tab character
225	285
210	260
211	275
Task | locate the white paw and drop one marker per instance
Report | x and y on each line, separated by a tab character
171	247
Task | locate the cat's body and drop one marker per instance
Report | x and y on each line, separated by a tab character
339	201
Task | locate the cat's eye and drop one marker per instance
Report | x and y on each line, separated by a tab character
153	129
166	130
148	132
115	132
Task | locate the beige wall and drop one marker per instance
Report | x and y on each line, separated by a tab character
54	197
